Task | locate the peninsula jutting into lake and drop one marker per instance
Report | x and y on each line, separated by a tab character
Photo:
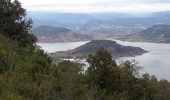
115	49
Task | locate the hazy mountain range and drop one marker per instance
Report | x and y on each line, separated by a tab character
158	33
71	27
77	20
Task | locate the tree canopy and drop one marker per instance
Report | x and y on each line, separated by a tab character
14	23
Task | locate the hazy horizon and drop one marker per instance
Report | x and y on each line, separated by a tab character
97	6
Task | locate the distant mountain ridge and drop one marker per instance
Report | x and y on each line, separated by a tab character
69	20
114	48
49	30
58	34
77	20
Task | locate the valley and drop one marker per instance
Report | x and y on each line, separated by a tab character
146	32
149	28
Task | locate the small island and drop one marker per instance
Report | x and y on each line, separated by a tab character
115	49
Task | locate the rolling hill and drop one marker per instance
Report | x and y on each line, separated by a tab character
58	34
157	33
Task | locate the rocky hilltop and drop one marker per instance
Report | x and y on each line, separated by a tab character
114	48
58	34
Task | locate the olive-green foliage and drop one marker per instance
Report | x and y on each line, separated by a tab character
28	73
14	23
68	82
102	71
24	72
108	81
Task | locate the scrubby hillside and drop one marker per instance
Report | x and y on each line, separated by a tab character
157	34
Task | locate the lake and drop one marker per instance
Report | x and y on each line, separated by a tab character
61	46
155	62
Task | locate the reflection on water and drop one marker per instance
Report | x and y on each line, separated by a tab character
155	62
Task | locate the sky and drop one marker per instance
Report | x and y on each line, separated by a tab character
91	6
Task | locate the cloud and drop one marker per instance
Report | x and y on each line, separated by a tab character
156	1
128	6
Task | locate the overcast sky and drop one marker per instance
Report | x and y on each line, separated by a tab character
127	6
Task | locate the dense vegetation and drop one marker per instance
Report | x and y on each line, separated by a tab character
14	23
27	73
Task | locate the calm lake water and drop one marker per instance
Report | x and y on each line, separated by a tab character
155	62
63	46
